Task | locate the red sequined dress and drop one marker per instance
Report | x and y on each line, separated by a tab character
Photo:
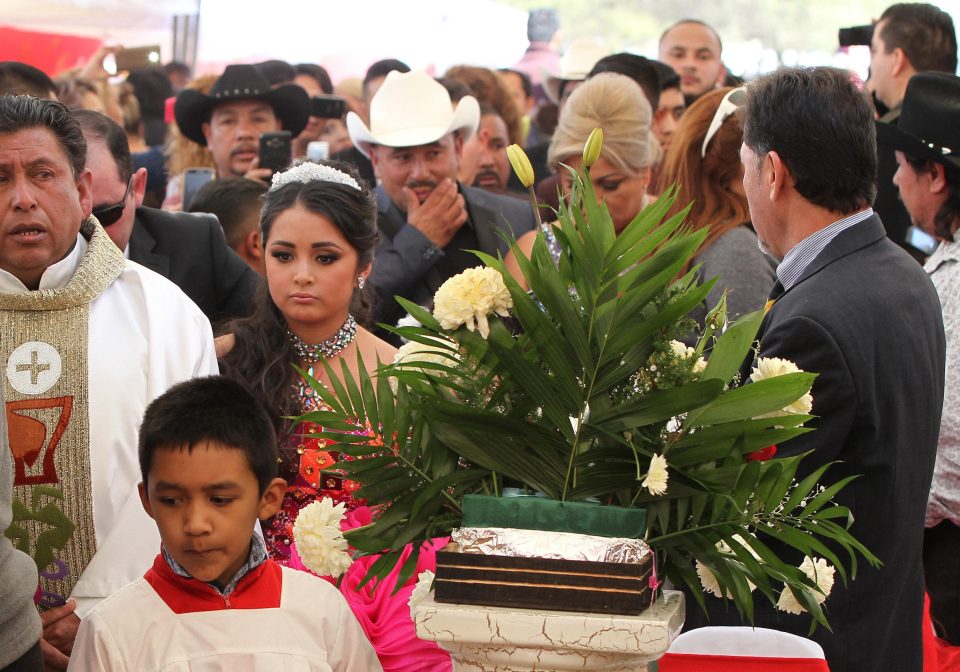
303	461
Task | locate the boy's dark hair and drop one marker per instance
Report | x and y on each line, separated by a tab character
925	34
18	113
105	129
669	79
20	78
821	124
215	409
231	199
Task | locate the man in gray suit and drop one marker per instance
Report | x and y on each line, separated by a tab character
428	221
854	308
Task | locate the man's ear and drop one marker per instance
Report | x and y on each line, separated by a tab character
776	175
252	244
938	179
272	498
251	251
85	191
144	500
722	77
374	159
899	62
139	186
205	129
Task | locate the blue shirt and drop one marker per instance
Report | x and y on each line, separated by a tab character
258	555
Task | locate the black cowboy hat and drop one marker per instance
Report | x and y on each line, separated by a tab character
929	124
290	103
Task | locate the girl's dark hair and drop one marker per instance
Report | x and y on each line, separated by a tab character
262	355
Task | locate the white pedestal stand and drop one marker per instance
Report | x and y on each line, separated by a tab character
497	639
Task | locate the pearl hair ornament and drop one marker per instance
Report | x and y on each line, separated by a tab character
308	172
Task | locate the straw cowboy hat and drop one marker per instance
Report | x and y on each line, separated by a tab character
290	103
411	109
575	64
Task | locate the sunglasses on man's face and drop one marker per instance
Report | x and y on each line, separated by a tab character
109	214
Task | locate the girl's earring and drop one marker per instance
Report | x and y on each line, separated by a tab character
360	281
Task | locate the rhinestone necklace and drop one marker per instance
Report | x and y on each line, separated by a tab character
331	347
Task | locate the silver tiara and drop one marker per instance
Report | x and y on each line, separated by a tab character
312	172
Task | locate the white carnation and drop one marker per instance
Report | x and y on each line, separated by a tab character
469	298
438	352
320	542
707	578
770	367
421	590
820	572
657	476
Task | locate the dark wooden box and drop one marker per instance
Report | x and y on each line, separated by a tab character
541	583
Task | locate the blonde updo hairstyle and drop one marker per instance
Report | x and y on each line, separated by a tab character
616	104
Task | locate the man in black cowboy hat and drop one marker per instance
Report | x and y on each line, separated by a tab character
239	108
909	38
927	147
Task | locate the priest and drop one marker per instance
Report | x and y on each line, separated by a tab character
89	339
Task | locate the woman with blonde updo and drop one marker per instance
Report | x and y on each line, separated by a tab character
621	175
703	160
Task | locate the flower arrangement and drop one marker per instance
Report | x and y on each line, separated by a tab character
579	390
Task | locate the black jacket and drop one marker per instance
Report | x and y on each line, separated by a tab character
190	250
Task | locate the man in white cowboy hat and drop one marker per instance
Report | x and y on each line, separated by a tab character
428	221
926	143
239	108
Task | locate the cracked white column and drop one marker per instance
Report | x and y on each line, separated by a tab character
497	639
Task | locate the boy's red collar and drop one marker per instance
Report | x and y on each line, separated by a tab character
260	589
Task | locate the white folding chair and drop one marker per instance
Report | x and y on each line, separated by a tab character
718	648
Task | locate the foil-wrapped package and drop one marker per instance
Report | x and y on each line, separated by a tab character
552	545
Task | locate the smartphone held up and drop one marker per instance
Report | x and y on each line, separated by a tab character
276	150
193	179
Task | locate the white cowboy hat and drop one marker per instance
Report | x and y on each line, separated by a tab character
411	109
575	64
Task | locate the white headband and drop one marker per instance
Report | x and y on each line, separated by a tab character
312	172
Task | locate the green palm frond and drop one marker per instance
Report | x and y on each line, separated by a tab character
575	393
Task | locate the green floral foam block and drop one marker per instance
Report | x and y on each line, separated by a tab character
538	513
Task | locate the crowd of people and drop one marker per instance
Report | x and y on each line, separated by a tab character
815	191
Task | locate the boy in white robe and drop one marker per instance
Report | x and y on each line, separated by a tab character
213	600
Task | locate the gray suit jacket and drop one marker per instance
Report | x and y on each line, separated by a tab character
865	318
405	260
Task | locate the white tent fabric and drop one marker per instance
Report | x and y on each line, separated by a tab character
344	37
